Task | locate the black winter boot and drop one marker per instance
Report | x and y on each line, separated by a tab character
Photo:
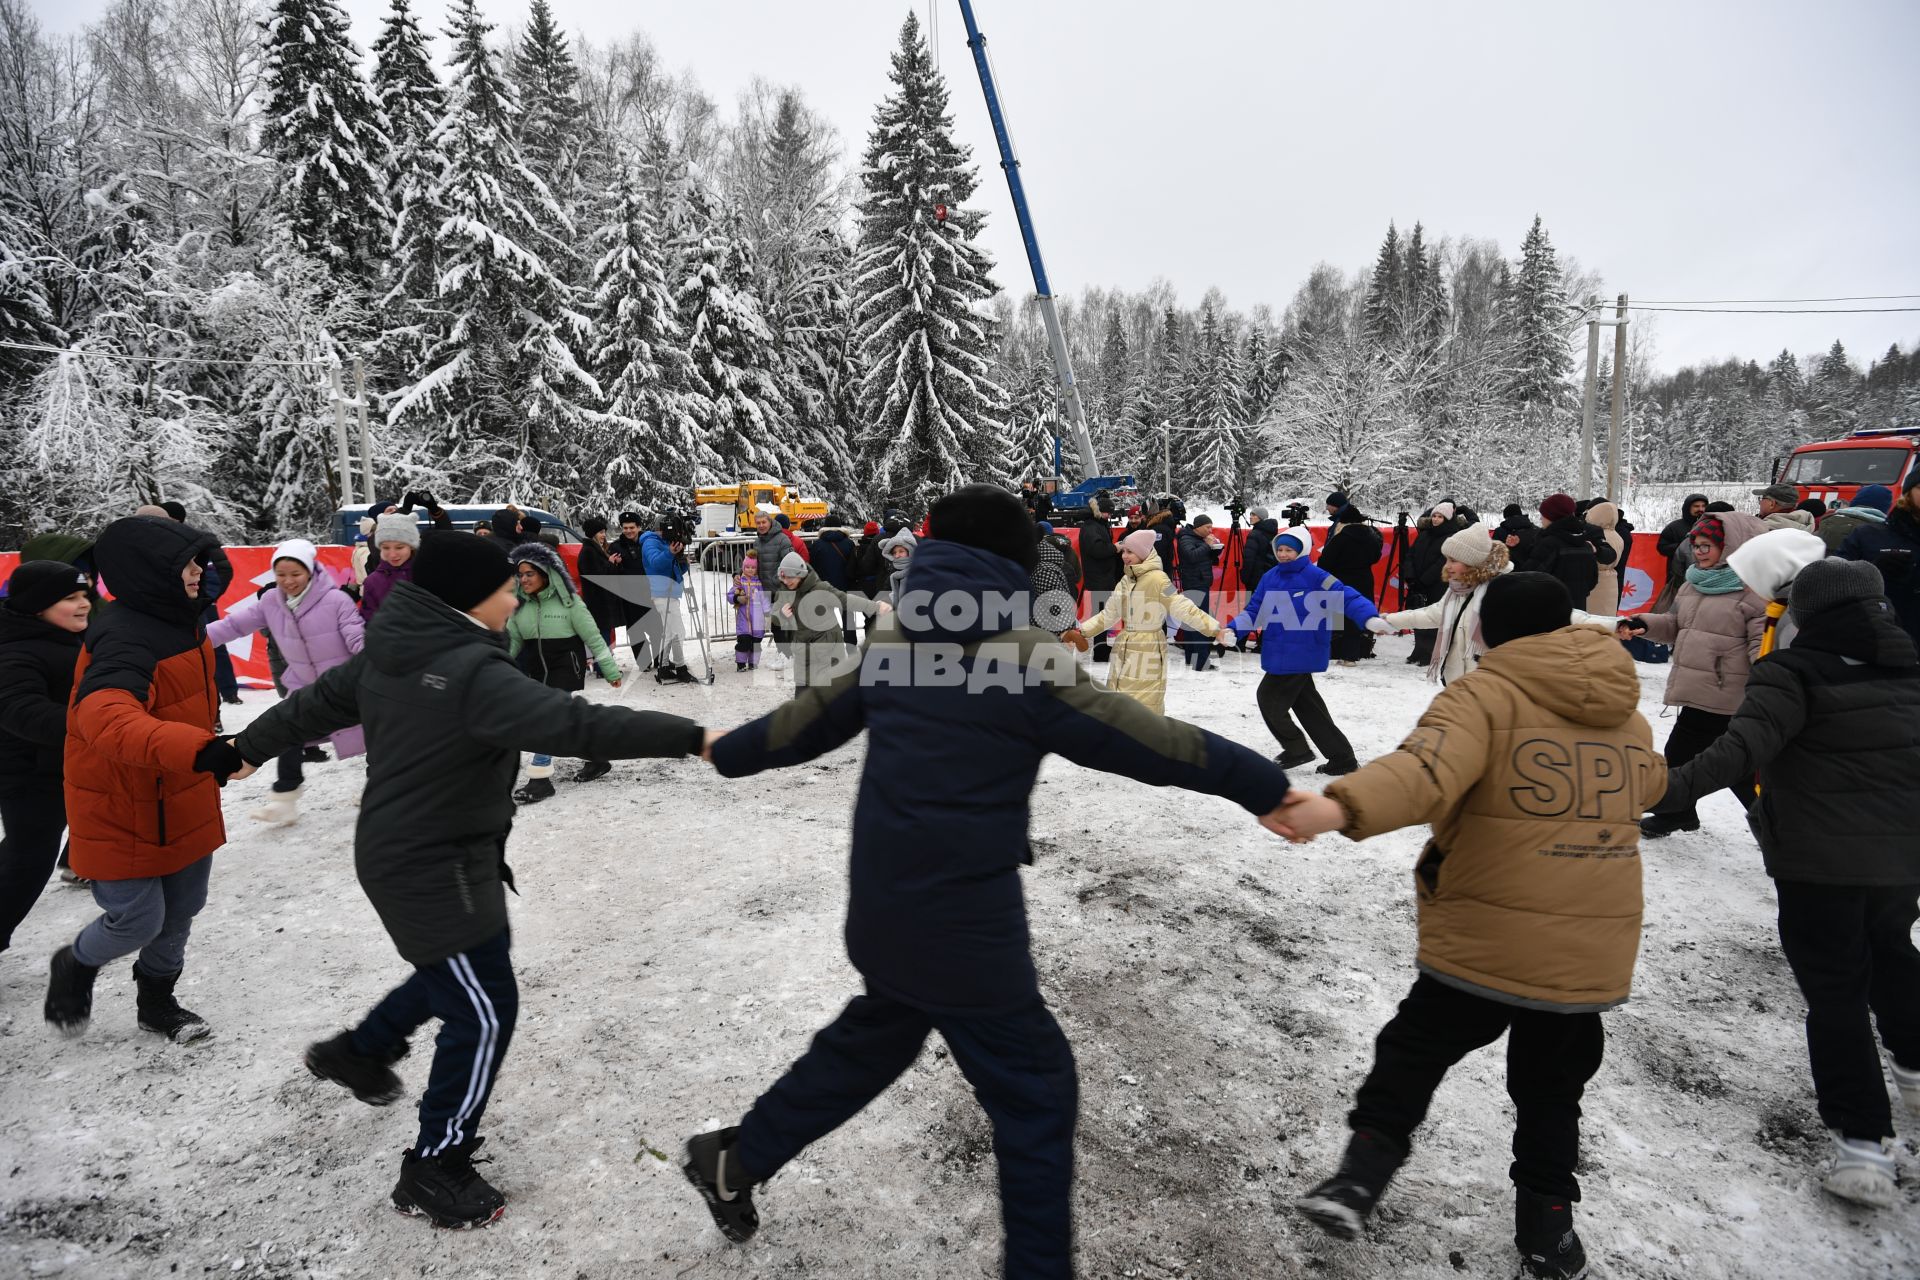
1340	1205
536	790
160	1012
727	1188
371	1079
593	769
447	1190
1338	768
69	993
1543	1232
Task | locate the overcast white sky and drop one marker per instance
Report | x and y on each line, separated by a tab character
1686	149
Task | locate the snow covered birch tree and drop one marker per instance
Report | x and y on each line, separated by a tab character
930	411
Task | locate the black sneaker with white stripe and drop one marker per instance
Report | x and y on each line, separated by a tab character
447	1190
714	1172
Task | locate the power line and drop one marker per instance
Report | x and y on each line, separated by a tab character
1718	302
133	359
1775	311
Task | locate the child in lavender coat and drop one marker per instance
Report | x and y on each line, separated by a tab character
316	627
749	600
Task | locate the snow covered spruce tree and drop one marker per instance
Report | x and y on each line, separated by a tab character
553	134
411	103
1212	411
1537	322
735	398
931	415
651	445
502	387
324	129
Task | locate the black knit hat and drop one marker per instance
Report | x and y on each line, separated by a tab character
460	569
592	525
1825	584
1523	604
988	517
41	584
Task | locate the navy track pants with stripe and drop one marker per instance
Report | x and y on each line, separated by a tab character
476	999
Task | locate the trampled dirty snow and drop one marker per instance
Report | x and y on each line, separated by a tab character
678	941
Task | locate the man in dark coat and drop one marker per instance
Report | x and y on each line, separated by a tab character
1828	724
1198	551
833	556
1893	548
869	566
1566	548
1352	548
1519	533
645	632
1257	556
447	714
1099	566
936	925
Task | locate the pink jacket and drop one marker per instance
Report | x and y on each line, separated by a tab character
321	634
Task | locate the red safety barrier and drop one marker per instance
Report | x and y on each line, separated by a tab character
1640	585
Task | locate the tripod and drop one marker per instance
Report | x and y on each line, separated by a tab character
1397	558
699	621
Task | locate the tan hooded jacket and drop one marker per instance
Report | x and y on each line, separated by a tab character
1533	772
1605	596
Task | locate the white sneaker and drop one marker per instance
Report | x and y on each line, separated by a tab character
1908	1082
281	808
1862	1172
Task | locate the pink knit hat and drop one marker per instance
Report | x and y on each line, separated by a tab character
1141	542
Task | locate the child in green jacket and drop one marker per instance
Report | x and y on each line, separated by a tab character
551	636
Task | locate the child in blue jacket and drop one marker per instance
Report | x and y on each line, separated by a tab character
1296	607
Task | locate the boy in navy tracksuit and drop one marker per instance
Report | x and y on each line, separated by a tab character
1295	609
937	925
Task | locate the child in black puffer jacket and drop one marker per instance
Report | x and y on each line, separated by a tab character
46	612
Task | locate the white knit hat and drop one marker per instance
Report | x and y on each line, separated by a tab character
1769	563
1471	546
394	527
297	549
792	566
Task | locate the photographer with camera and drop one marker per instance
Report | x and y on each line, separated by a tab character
663	553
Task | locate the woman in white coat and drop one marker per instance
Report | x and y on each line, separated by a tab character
1473	559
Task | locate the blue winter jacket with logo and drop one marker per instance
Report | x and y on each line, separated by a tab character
1296	607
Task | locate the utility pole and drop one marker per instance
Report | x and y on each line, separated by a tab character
1619	397
340	436
366	436
1585	477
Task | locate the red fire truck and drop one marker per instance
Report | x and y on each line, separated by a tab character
1834	470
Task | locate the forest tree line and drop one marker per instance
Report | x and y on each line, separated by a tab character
577	281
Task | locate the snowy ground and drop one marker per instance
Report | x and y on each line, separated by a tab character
677	939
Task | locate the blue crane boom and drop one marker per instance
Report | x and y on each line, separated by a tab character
1076	412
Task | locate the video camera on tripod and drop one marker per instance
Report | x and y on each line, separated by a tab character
1296	514
677	526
